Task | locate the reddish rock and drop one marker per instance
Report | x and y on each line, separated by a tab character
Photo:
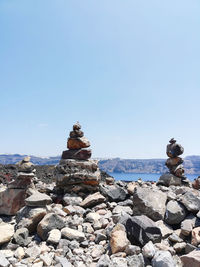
191	259
196	183
81	154
195	240
118	239
11	200
77	143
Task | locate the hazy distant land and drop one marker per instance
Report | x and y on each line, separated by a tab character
191	164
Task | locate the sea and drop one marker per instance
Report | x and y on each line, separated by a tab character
143	176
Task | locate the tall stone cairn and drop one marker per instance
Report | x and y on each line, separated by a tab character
174	164
76	171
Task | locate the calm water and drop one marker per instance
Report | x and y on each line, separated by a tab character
143	176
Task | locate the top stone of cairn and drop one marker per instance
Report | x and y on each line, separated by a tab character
77	139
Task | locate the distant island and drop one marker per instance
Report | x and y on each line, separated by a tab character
191	164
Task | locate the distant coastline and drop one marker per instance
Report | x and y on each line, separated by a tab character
116	165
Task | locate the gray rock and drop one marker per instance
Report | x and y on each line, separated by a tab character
175	238
21	237
149	250
118	262
149	202
113	192
136	261
38	200
92	200
49	222
191	201
141	229
189	248
63	261
163	259
175	212
132	250
169	179
72	199
72	234
104	261
3	261
33	252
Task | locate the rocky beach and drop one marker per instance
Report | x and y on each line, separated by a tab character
73	214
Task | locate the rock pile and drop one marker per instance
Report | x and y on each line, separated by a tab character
13	194
76	172
174	164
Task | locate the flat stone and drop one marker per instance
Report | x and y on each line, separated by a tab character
38	200
118	239
6	232
149	202
166	230
192	259
92	200
80	154
72	234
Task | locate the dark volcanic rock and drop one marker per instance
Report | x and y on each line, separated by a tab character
82	154
141	229
113	192
175	212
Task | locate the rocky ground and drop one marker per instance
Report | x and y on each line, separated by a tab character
123	224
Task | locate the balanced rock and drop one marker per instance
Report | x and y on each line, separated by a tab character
38	200
75	171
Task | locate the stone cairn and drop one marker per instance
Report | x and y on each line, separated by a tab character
76	172
12	195
174	164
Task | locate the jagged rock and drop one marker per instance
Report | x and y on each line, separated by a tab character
175	212
192	259
104	261
169	179
11	200
166	230
92	200
29	217
149	202
132	250
113	192
175	238
191	201
72	199
118	239
3	261
6	232
118	261
149	250
163	258
54	236
49	222
141	229
38	200
72	234
21	237
186	227
33	252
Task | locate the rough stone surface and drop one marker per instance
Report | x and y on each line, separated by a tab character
191	201
192	259
118	239
21	237
6	232
3	261
72	234
175	212
163	259
38	200
54	236
92	200
113	192
169	179
149	202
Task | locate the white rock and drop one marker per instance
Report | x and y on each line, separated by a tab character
149	250
3	261
6	232
72	234
19	253
54	236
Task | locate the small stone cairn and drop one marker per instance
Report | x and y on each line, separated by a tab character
76	172
12	195
174	164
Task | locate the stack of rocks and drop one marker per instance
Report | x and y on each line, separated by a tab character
174	164
12	196
76	172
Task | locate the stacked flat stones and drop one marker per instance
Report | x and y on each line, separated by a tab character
174	162
12	196
76	172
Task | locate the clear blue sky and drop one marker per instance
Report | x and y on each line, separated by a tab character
129	71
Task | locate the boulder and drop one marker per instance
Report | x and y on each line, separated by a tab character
149	202
118	239
38	200
191	259
169	179
163	259
175	212
191	201
6	232
141	229
49	222
92	200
